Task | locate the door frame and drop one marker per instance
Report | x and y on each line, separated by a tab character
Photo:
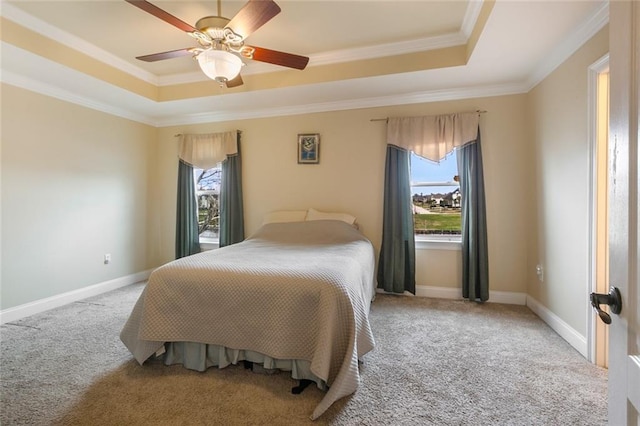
598	67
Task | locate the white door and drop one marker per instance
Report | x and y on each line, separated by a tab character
624	221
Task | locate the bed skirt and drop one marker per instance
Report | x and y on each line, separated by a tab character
200	356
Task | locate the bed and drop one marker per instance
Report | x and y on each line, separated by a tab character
293	296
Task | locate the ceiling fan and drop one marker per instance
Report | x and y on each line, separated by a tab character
221	41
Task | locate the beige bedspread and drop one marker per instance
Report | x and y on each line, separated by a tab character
298	290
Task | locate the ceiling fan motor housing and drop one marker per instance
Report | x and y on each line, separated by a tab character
213	26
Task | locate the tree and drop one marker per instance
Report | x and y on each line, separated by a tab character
208	190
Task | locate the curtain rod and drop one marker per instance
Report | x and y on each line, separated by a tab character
387	119
180	134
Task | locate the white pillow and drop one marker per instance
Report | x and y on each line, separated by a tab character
313	214
285	216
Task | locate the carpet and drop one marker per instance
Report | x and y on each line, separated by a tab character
436	362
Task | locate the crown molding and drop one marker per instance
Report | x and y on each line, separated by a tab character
410	46
570	45
54	91
470	18
387	49
582	34
338	56
58	91
45	89
363	103
45	29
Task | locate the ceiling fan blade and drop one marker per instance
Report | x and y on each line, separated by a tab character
279	58
165	55
252	16
235	82
161	14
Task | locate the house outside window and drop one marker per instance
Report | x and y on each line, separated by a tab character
207	184
436	198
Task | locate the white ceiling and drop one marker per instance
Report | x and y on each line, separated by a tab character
521	42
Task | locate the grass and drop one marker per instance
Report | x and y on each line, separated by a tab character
448	223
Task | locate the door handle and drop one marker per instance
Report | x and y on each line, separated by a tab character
613	299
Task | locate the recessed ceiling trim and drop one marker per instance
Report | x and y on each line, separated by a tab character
387	49
391	65
337	57
199	118
24	39
162	118
470	18
45	89
344	55
54	33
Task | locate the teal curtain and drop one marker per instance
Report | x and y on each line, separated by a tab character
475	259
231	206
396	266
187	213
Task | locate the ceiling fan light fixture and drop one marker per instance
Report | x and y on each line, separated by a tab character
219	65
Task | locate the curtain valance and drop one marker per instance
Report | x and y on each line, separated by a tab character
205	151
433	136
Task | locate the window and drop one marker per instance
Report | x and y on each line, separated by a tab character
436	198
207	184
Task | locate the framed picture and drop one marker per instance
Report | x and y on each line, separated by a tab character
309	148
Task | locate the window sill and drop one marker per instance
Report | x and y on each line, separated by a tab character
209	244
439	242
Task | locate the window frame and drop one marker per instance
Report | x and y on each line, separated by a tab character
435	241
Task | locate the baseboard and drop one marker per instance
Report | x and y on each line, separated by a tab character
507	297
439	292
575	339
42	305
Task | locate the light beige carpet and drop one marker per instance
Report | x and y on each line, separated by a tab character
437	362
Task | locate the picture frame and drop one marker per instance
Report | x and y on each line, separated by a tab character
308	148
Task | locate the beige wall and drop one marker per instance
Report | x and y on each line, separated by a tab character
77	183
134	170
74	187
350	178
109	185
558	112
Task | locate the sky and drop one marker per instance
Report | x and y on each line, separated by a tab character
423	170
210	182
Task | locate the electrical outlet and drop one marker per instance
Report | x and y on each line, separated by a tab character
107	258
540	272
